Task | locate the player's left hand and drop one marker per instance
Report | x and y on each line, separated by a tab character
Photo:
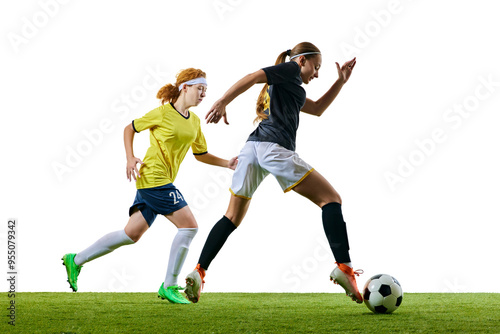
346	69
232	163
217	112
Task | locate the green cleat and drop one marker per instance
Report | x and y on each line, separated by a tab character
172	294
72	270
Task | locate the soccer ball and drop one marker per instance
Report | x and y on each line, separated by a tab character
382	294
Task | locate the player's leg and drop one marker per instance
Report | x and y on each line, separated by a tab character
187	228
235	213
245	182
136	226
134	229
246	179
293	173
317	189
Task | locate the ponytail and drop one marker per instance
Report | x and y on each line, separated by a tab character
168	93
261	101
304	47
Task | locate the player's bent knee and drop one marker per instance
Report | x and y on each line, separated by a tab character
335	197
133	236
234	218
338	199
330	199
189	225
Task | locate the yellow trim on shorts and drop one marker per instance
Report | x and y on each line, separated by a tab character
239	195
296	183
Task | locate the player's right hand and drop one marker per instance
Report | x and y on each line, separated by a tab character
217	112
132	168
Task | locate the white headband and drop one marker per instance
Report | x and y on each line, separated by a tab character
193	82
305	54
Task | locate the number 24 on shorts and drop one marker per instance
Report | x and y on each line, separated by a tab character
176	195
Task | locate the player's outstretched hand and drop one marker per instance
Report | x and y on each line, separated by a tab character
233	162
217	112
346	69
132	168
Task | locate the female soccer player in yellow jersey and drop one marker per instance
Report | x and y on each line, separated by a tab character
173	130
270	149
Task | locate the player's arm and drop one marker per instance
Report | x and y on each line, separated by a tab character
318	107
218	110
216	161
132	161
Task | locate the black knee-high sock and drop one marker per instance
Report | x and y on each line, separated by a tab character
216	239
336	231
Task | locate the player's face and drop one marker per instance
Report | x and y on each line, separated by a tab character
196	93
310	69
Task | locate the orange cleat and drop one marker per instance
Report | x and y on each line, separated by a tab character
345	276
194	284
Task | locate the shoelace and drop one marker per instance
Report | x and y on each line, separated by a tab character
348	270
358	272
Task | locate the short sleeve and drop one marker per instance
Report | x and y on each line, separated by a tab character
282	73
199	146
148	121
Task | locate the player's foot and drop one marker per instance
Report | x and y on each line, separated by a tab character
194	284
72	270
172	294
345	276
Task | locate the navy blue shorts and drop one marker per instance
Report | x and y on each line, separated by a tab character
157	201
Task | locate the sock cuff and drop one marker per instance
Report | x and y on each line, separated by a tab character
228	222
126	239
332	205
188	231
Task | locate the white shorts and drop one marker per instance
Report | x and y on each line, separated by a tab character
259	159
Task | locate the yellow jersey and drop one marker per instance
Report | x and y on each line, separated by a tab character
171	135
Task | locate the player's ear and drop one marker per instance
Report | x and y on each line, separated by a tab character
303	60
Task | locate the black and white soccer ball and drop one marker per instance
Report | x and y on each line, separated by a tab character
382	294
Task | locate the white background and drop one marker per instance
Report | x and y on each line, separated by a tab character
74	70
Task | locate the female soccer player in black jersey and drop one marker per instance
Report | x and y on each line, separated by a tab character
270	149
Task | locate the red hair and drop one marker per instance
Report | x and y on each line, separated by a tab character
170	93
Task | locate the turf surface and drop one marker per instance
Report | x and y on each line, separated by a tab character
248	313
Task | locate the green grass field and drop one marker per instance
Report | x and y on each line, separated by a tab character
249	313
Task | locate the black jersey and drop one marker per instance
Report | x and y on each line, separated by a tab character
284	99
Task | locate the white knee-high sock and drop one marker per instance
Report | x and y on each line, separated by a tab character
103	246
178	253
